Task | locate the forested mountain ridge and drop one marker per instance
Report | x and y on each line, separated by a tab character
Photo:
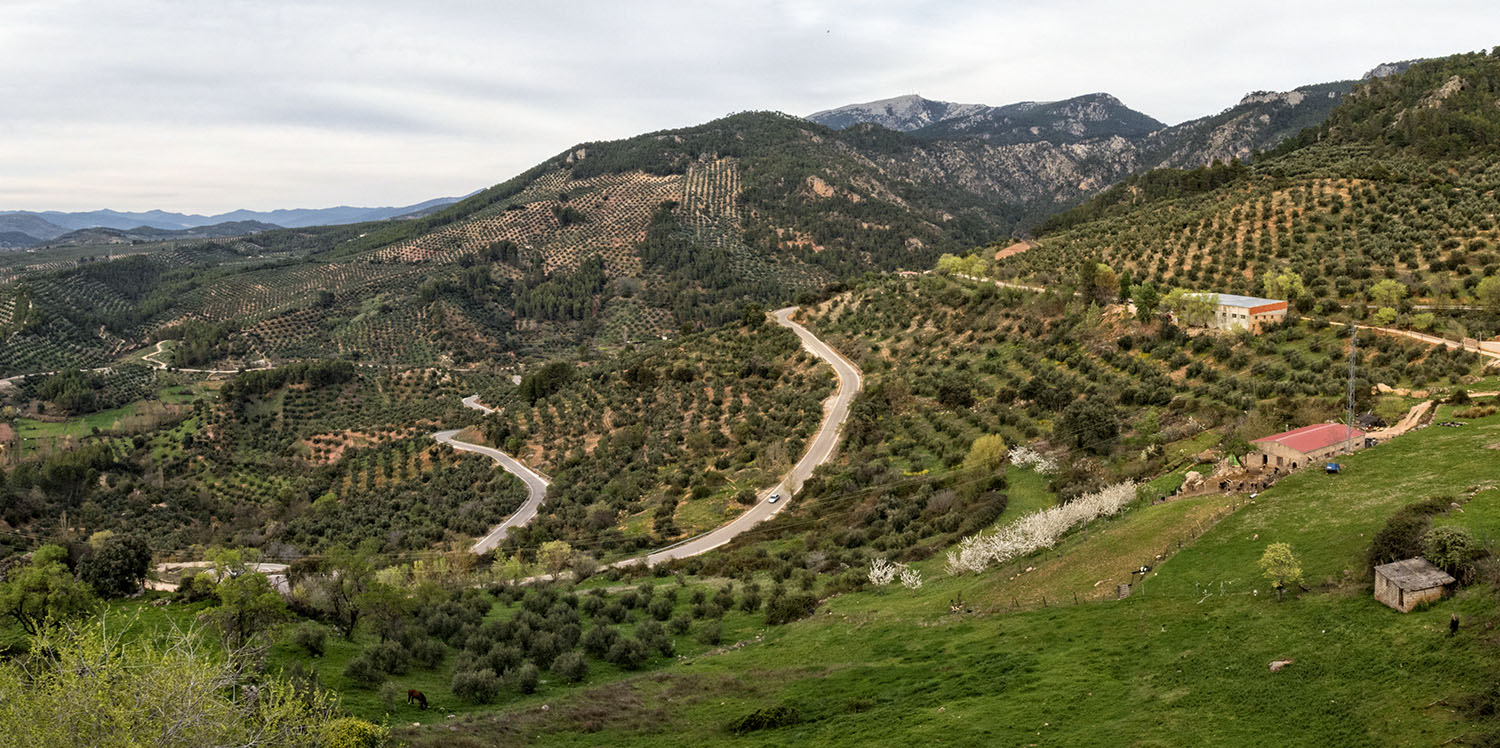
1118	137
899	113
1094	115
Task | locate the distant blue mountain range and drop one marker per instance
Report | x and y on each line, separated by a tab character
44	226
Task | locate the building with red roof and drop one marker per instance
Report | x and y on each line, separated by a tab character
1298	448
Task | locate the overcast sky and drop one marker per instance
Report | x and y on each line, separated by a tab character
211	105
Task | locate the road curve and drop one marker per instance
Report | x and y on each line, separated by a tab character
536	485
151	359
835	412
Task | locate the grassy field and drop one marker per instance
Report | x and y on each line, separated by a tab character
30	429
1181	662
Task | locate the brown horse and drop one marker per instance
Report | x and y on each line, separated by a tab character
413	696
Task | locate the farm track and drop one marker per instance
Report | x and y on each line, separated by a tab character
151	359
819	451
1428	339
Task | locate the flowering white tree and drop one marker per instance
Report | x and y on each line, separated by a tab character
911	578
1038	530
882	572
1028	457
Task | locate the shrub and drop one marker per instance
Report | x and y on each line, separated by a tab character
679	625
428	653
750	601
711	633
444	625
1454	550
725	596
476	686
389	656
614	612
660	609
1402	535
363	671
653	636
353	732
572	666
769	718
502	657
197	587
1477	411
526	678
390	695
543	648
311	638
591	605
598	640
629	653
790	607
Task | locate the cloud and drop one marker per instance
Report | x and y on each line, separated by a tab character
205	107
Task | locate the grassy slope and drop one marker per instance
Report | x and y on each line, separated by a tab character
1168	666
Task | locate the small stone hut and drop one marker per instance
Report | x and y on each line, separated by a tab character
1404	585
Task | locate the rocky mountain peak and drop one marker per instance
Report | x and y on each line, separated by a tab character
1385	69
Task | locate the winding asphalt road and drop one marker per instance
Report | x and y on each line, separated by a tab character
835	412
821	449
536	485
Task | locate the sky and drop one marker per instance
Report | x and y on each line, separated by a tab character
206	106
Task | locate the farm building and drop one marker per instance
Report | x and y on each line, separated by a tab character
1246	312
1298	448
1404	585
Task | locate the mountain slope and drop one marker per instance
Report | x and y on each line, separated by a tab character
900	113
1387	204
1260	121
93	236
34	226
1069	121
1072	120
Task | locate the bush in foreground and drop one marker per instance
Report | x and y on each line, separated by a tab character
93	687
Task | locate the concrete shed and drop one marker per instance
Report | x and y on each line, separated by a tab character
1404	585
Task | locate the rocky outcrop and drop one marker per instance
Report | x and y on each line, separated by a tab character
901	113
1052	153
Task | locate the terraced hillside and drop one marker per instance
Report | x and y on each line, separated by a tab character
955	370
1390	204
653	446
289	460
